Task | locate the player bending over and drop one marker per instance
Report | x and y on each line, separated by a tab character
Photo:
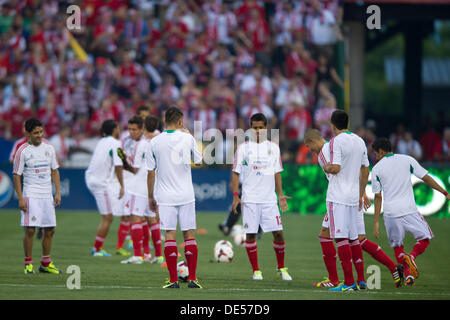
172	197
36	161
392	176
259	161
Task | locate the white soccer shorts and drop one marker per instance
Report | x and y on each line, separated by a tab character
138	206
184	214
360	226
415	223
266	215
342	220
40	213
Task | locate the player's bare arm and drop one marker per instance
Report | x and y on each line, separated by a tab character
332	168
235	188
150	185
119	173
363	179
56	181
281	197
433	184
377	202
18	188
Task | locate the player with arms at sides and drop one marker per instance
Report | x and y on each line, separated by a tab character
104	161
172	197
143	220
349	172
392	176
121	207
259	161
36	162
317	144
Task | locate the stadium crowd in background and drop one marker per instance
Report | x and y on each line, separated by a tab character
219	61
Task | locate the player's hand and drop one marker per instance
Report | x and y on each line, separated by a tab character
57	200
153	205
448	196
121	193
367	202
376	228
236	202
283	203
23	205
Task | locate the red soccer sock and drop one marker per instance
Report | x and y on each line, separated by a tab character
156	238
279	252
358	260
171	255
345	256
252	252
124	228
28	260
136	237
329	257
191	253
420	247
145	237
99	240
399	253
45	261
378	254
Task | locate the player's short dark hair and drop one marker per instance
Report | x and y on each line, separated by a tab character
151	123
137	120
31	124
312	134
173	114
140	109
339	119
383	144
108	127
258	117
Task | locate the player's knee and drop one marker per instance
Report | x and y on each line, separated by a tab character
278	236
49	232
108	218
29	232
324	232
250	237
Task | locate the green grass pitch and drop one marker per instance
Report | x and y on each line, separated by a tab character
106	278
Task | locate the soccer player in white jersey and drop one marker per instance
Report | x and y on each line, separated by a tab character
349	169
36	162
121	208
143	220
391	180
169	154
104	161
316	143
259	161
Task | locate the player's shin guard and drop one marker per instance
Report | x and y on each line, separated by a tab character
145	237
420	247
136	237
252	252
279	252
357	257
122	233
191	253
399	253
329	257
156	238
345	256
171	255
378	254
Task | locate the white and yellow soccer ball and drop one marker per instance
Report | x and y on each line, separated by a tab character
183	271
223	252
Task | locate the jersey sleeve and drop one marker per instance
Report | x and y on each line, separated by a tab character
417	169
117	162
139	159
364	158
336	151
238	159
54	162
278	162
19	163
196	153
150	159
376	183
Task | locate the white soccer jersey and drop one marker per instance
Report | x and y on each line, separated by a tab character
35	164
137	185
129	146
169	153
349	151
324	158
103	161
392	175
258	163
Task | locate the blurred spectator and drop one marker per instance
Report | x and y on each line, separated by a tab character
325	106
305	156
295	123
409	146
397	136
326	73
441	150
14	119
255	106
428	141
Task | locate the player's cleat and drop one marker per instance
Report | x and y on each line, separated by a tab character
29	269
194	284
122	252
362	285
171	285
409	260
133	260
148	257
257	275
409	281
398	275
100	253
158	260
225	230
284	274
325	283
50	269
343	288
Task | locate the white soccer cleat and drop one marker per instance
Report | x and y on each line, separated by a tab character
284	274
133	260
257	275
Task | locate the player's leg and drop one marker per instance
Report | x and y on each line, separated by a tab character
355	245
251	218
122	232
155	233
121	209
168	216
329	256
230	221
104	204
47	265
28	248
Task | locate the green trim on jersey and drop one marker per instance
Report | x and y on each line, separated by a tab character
110	153
411	169
389	155
348	132
170	131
